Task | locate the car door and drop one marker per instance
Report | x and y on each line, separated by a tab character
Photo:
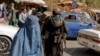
73	26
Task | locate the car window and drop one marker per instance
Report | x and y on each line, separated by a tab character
70	18
98	14
85	20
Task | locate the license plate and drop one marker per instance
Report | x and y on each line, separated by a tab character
85	43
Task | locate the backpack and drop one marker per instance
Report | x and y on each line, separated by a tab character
56	21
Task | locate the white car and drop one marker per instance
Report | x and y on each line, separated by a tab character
90	38
7	34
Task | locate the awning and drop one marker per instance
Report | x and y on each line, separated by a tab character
31	1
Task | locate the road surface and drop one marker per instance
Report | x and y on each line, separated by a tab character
74	49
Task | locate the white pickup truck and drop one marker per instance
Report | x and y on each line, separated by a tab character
90	38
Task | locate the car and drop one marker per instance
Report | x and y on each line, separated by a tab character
97	12
90	38
7	34
77	22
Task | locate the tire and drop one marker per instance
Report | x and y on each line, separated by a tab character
5	44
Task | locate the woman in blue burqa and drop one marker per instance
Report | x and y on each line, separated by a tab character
27	41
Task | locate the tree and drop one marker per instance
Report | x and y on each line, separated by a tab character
60	1
87	2
80	0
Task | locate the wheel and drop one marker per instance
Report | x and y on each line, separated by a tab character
5	44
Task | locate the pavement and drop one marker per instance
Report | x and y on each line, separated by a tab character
73	49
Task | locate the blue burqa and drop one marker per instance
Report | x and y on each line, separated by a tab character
27	41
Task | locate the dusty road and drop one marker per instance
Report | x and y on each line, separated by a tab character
74	49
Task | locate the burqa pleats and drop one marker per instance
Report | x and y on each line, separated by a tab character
27	41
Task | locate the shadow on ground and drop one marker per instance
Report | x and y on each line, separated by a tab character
71	39
4	54
81	52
